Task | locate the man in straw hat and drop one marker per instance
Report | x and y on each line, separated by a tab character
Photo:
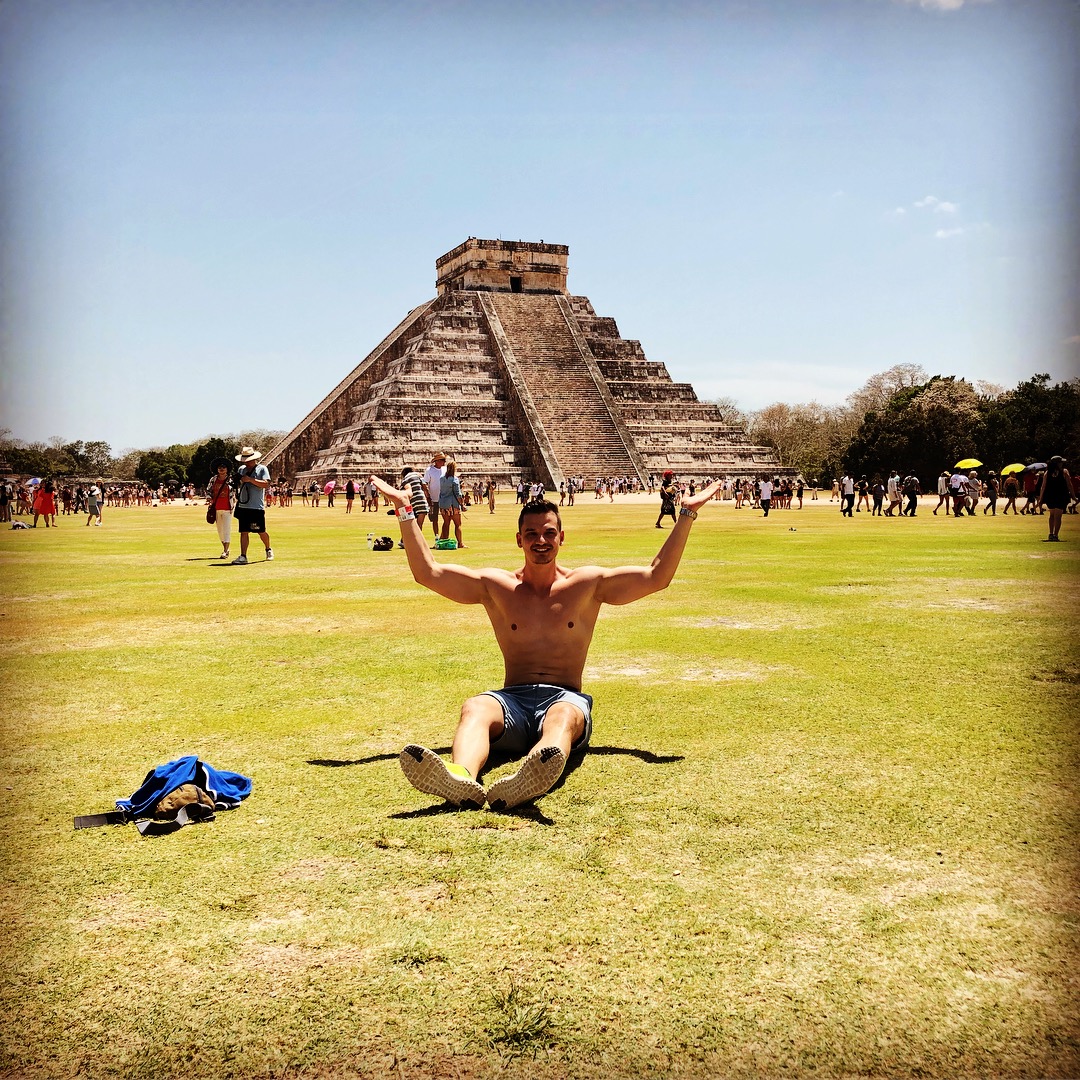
543	616
250	512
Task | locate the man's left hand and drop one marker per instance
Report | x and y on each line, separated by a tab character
692	502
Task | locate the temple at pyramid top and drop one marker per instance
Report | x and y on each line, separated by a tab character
503	266
516	379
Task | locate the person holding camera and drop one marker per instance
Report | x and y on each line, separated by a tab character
252	480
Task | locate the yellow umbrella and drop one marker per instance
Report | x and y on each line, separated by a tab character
1010	469
968	463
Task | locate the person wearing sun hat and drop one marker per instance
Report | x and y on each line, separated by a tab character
433	483
253	479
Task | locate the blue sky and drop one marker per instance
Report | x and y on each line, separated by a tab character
211	212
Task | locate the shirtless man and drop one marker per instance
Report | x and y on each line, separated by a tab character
543	617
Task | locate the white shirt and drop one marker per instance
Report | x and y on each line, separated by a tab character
433	481
766	491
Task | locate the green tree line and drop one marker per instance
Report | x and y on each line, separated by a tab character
903	419
171	465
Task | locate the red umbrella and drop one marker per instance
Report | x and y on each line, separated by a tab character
329	486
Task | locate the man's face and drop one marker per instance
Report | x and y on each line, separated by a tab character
540	537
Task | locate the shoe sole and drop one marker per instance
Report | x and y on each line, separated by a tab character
427	772
537	775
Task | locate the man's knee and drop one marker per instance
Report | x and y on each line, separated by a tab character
482	711
564	718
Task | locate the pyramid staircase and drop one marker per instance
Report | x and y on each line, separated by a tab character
556	378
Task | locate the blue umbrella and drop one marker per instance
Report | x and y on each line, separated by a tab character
37	480
1039	466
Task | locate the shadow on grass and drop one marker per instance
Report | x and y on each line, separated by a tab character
496	760
528	810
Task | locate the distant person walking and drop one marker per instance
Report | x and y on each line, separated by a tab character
958	492
974	490
253	479
1032	482
911	490
765	495
668	495
94	499
892	489
219	496
1055	493
942	492
863	488
1011	489
45	503
847	488
878	493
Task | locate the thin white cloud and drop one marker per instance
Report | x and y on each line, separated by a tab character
942	5
898	212
944	234
939	206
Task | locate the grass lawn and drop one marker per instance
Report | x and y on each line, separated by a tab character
827	828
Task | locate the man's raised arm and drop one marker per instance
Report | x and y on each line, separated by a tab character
458	583
624	584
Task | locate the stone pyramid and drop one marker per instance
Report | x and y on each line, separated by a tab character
513	377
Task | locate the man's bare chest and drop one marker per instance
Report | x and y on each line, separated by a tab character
564	607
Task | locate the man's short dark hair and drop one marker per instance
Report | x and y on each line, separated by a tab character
544	507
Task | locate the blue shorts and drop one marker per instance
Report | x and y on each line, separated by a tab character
523	714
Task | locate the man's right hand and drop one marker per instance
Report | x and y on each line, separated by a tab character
397	497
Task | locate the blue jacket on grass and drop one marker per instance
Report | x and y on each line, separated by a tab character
225	788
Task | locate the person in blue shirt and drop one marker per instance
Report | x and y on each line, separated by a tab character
250	511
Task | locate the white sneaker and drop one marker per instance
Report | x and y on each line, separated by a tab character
427	772
240	560
537	775
269	554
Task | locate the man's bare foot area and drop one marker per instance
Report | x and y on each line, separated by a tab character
427	772
537	775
